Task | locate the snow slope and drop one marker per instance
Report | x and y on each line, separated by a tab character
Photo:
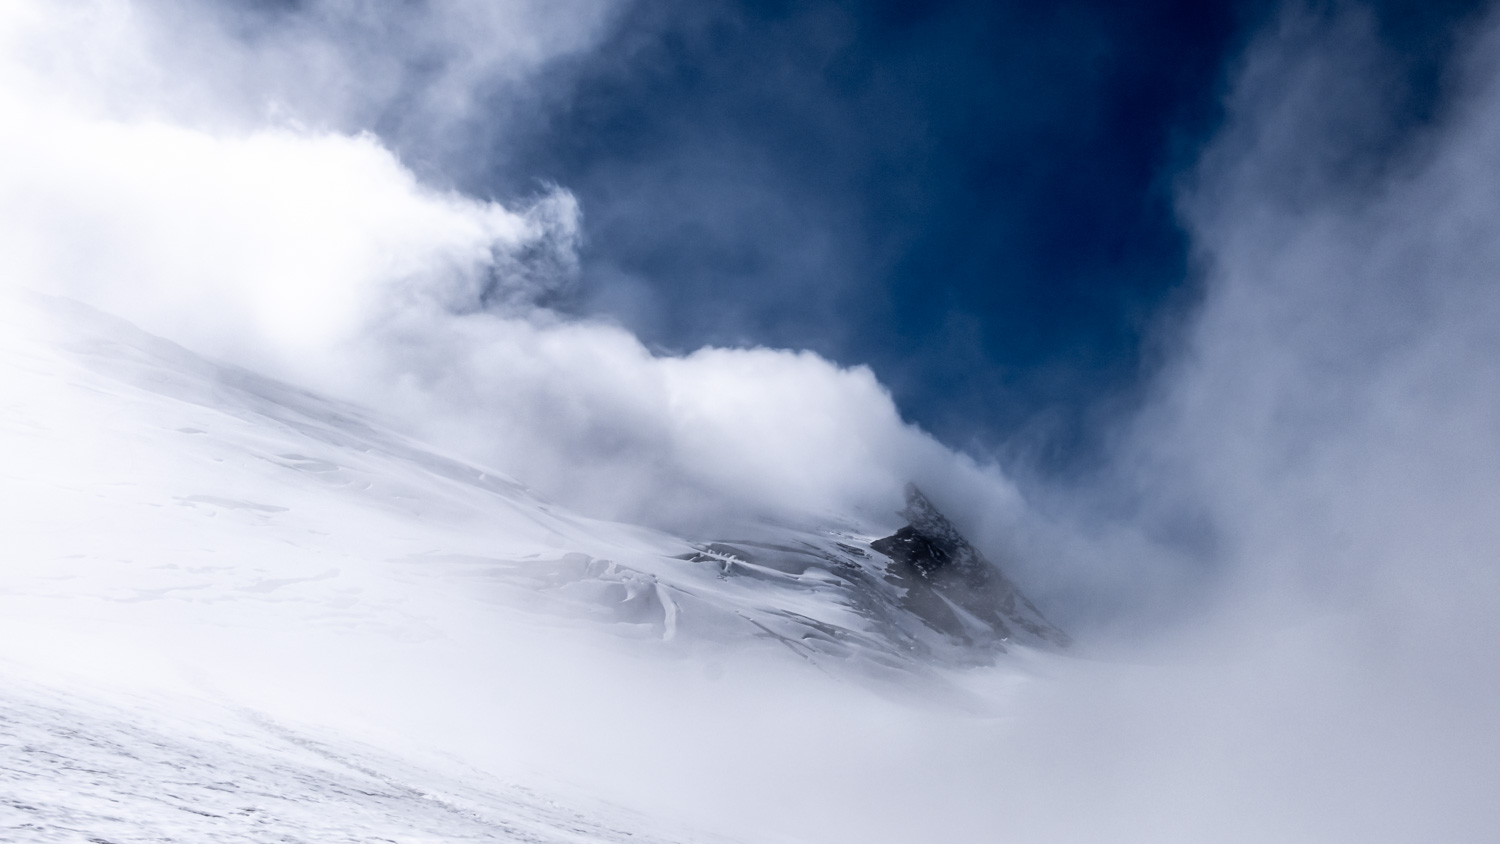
233	611
220	594
182	537
154	443
74	767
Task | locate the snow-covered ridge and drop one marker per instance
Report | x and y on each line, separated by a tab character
264	454
268	567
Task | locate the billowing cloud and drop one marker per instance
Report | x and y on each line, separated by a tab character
1328	431
310	250
1331	409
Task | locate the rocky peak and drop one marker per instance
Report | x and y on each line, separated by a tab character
951	586
929	543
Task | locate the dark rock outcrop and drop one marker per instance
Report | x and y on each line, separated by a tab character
921	596
951	587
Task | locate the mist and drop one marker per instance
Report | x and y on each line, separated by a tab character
1284	580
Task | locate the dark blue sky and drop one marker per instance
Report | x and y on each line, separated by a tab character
974	198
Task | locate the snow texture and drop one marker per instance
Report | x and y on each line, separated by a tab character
165	508
74	768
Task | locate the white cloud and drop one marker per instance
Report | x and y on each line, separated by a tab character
1332	406
147	180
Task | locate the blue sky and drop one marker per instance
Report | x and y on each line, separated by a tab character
1020	217
974	198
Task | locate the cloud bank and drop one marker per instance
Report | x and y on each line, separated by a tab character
1326	440
217	178
1333	410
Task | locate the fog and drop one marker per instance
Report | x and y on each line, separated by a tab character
1285	580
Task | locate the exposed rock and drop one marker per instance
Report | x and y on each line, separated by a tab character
923	595
952	587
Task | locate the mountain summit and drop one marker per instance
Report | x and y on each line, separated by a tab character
952	587
924	593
